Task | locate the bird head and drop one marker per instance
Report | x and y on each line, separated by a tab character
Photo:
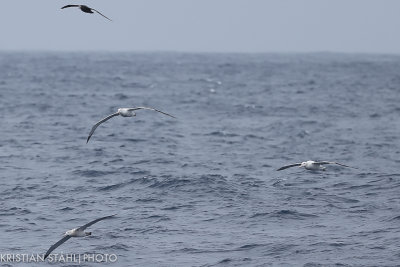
69	232
303	164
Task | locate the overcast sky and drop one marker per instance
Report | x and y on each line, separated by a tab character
203	25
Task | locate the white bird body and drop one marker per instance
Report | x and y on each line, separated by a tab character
313	165
125	112
76	232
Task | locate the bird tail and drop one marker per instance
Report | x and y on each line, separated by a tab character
88	233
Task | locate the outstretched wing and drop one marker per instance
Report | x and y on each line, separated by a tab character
93	222
100	122
332	162
137	108
69	6
100	14
289	166
53	247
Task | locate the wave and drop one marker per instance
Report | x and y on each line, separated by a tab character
285	214
91	173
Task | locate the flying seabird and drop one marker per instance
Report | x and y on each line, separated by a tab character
124	112
76	232
85	9
313	165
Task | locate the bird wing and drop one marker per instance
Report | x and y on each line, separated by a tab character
332	162
137	108
100	14
100	122
53	247
69	6
93	222
289	166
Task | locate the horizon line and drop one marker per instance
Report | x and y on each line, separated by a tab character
138	51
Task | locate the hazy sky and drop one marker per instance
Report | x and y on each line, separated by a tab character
203	25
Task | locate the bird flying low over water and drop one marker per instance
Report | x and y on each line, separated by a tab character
313	165
85	9
76	232
124	112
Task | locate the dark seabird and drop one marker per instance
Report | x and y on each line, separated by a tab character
76	232
124	112
85	9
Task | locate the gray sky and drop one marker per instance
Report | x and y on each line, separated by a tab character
203	25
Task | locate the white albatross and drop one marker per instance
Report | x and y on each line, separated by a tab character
313	165
76	232
124	112
85	9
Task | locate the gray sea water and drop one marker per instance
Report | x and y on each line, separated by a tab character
202	190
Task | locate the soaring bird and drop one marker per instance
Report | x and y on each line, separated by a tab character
76	232
313	165
124	112
85	9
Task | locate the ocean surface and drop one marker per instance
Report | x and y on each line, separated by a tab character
202	190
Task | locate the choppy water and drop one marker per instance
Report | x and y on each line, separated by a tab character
202	190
